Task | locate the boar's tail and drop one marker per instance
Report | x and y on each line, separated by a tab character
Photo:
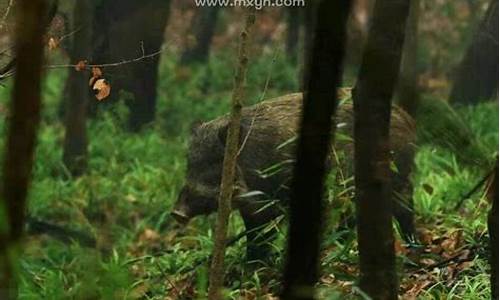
439	125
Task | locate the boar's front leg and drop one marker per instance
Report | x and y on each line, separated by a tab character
256	217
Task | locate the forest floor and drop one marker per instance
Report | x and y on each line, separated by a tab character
133	180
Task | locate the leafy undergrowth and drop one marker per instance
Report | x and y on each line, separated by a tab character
133	181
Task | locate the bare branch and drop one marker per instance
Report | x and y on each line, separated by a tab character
8	71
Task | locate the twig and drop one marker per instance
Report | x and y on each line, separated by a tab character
229	165
9	71
108	65
165	275
266	86
64	36
453	259
475	188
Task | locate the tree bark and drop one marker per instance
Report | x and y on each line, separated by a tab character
308	15
204	24
25	108
229	164
408	94
477	75
493	232
127	29
323	76
75	140
372	110
293	32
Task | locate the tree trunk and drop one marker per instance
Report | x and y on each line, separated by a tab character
372	110
229	164
75	140
323	76
308	15
25	108
408	93
293	32
493	232
128	29
477	75
204	24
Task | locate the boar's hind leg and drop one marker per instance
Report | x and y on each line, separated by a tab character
403	193
256	220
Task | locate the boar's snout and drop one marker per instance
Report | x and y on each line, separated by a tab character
192	202
181	211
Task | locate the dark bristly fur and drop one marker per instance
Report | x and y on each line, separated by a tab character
268	130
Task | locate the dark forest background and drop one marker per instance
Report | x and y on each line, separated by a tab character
107	172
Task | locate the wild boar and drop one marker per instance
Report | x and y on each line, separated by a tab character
267	152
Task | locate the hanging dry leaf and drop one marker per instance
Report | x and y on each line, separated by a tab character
102	88
53	43
92	80
81	65
96	72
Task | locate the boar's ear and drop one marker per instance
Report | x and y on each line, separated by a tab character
222	133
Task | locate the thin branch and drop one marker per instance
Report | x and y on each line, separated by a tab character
6	14
108	65
229	164
266	86
10	72
67	35
476	188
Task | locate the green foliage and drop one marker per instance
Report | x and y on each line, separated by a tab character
133	180
440	125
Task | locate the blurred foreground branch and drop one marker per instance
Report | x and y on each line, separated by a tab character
25	107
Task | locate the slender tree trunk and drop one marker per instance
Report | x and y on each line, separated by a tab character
323	76
293	31
408	93
493	232
372	110
25	107
75	140
204	24
477	75
229	164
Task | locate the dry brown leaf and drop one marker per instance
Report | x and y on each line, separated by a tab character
417	288
92	80
427	261
400	248
465	265
452	243
103	89
149	235
81	65
426	236
96	75
96	72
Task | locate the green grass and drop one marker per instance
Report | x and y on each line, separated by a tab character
133	181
